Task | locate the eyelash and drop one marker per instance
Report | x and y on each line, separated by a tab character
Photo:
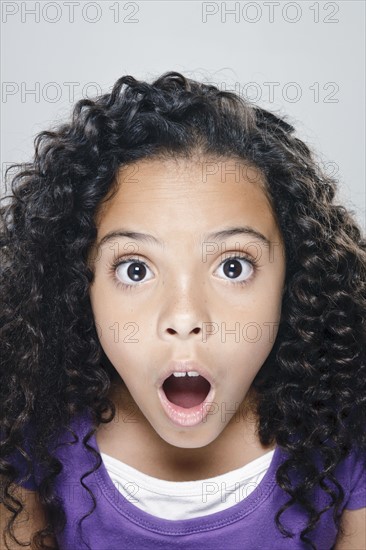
116	263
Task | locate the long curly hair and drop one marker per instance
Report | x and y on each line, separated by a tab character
311	390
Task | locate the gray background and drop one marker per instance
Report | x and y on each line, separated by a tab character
303	59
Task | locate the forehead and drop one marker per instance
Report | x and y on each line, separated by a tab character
182	194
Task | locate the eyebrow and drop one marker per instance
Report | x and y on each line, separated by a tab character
216	235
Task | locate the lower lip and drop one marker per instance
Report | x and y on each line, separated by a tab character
186	417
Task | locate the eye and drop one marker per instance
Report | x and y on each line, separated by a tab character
130	272
237	269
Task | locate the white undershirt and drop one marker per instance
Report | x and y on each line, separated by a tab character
186	499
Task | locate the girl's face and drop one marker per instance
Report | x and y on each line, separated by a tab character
178	296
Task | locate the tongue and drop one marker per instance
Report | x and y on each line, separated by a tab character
186	391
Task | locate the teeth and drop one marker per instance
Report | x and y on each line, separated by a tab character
190	373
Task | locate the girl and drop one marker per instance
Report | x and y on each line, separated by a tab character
183	332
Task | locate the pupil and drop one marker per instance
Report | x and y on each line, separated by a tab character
232	268
135	271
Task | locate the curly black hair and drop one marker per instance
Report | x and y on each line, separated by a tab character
311	390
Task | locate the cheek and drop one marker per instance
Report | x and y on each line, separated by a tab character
258	328
258	315
119	335
105	320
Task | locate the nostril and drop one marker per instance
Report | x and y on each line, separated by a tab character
196	330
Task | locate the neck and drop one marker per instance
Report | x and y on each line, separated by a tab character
135	443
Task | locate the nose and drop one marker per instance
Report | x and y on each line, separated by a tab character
184	313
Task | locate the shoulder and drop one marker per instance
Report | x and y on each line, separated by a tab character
355	473
353	524
353	519
32	518
29	471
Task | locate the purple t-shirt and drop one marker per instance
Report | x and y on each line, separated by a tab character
117	524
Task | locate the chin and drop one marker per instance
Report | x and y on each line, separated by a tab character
189	438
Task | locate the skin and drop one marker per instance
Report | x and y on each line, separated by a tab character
180	292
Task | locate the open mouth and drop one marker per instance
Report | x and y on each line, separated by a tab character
186	390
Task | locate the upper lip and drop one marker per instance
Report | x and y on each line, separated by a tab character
185	365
